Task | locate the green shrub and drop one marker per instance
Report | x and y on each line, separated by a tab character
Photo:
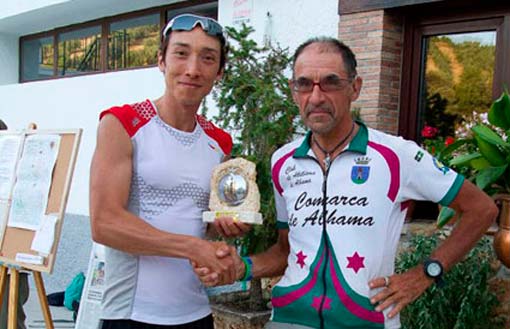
464	302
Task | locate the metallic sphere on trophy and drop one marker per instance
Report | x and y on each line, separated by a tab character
232	189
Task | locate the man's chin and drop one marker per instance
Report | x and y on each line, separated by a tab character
320	127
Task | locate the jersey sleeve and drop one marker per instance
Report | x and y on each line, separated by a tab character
129	116
221	137
425	177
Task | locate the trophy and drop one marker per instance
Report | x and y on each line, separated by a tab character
234	192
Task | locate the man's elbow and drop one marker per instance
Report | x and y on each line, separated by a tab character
97	227
487	212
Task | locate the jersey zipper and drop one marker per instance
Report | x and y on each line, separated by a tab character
324	234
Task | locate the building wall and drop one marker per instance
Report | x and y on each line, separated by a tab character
290	22
376	39
76	102
9	54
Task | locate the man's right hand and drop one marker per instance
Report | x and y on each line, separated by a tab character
218	258
210	277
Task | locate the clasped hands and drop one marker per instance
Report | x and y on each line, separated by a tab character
217	263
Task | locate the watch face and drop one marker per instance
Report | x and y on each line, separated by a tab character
434	269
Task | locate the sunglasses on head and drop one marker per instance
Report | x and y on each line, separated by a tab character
187	22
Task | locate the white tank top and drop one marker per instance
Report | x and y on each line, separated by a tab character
169	190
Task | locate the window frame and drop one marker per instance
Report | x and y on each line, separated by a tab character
420	24
104	24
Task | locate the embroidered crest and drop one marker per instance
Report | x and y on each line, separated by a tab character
361	171
439	165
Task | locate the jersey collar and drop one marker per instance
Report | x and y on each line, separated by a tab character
358	144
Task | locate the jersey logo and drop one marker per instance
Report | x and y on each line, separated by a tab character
418	156
135	122
439	165
360	172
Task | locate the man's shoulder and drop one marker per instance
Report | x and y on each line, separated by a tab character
287	149
221	136
132	116
387	139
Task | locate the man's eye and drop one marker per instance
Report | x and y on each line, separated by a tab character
303	83
180	53
331	81
209	58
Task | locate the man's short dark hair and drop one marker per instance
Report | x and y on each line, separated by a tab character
163	46
328	44
3	126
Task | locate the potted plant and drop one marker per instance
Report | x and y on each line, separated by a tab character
484	158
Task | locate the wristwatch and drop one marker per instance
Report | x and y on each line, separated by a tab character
433	269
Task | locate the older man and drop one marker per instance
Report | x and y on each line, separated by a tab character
339	227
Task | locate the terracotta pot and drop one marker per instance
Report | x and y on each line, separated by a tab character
502	237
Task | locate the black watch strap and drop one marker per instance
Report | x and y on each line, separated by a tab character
434	269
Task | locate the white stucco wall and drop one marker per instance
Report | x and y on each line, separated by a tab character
15	7
9	54
292	21
76	102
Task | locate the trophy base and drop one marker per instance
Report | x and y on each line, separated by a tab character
248	217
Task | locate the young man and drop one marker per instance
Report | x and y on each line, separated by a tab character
149	185
339	232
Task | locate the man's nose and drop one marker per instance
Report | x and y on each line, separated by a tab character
317	95
193	67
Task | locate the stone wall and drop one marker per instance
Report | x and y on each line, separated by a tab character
376	39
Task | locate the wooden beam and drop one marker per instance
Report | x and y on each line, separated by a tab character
349	6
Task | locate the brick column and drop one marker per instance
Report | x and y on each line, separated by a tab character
376	39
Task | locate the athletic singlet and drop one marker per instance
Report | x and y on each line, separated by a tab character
365	194
169	189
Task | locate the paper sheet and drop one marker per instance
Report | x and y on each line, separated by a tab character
9	149
45	235
34	175
90	304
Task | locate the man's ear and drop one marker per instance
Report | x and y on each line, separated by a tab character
291	86
161	62
220	74
356	88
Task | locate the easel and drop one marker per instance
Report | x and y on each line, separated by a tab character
16	240
12	316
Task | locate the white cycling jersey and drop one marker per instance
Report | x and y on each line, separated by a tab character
363	198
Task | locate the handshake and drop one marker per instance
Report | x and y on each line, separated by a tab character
220	265
216	263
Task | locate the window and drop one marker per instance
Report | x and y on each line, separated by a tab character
133	42
116	43
37	58
79	51
458	70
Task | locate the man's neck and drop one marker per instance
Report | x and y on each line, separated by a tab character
179	116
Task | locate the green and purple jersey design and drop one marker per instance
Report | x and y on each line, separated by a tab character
363	198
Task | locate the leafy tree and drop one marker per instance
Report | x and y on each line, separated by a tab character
255	104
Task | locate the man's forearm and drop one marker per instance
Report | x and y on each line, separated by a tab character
463	238
273	261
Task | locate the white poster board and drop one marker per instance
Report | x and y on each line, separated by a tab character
90	303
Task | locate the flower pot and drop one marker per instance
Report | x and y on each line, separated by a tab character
502	237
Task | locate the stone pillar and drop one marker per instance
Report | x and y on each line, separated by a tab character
376	39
